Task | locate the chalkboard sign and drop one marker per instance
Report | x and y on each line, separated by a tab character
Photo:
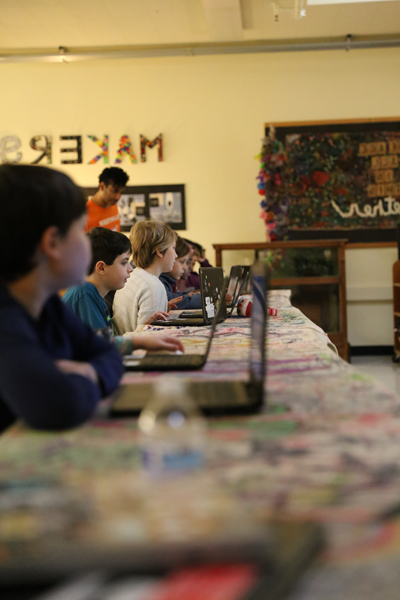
343	179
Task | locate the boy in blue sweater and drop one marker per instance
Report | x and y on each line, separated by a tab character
109	270
54	369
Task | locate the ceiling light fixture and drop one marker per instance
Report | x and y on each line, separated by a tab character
296	9
62	52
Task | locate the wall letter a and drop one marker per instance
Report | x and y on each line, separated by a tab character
125	149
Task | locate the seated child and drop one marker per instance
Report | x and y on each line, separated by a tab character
193	279
54	369
153	253
109	270
189	300
187	268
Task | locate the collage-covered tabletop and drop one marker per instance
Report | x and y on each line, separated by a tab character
326	448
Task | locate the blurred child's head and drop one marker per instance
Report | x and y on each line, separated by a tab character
42	226
112	182
153	242
198	251
110	257
182	250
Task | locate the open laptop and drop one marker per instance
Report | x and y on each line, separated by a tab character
175	362
262	564
237	280
218	397
211	285
234	288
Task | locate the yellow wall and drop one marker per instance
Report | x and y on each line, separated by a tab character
211	111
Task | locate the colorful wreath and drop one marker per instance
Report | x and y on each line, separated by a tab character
273	186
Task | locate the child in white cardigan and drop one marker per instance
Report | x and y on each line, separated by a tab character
153	253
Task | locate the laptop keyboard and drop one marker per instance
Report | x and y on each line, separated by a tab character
219	393
177	321
207	394
168	359
191	314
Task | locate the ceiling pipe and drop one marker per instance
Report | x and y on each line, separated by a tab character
63	54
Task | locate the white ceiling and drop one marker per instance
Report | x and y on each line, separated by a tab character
32	24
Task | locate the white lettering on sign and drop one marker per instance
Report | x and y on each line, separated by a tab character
393	208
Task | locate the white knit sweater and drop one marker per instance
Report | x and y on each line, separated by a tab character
142	296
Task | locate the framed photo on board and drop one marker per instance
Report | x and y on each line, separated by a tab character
342	178
164	203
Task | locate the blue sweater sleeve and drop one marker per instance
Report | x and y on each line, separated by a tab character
89	307
32	387
192	302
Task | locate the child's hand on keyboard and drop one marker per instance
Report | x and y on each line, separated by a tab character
152	343
160	315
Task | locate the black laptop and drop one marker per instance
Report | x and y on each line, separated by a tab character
175	362
218	397
211	286
235	285
237	280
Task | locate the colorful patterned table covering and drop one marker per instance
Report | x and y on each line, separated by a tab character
327	448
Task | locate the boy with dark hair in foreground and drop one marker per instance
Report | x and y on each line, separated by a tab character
109	270
54	369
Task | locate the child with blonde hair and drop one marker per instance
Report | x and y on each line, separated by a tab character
153	253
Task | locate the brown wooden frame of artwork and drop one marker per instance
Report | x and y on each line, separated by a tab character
307	234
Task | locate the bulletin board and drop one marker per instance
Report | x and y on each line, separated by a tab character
164	203
343	179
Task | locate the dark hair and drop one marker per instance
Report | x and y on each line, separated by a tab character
107	245
182	247
32	199
114	176
198	247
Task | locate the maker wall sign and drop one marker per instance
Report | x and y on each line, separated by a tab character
71	149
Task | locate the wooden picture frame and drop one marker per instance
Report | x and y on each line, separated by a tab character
164	203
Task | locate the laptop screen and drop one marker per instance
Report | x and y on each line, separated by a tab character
233	280
212	283
258	324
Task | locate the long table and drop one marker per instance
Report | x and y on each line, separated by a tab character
326	448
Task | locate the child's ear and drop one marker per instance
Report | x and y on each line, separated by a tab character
159	253
50	242
100	267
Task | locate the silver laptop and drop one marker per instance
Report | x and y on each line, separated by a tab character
218	397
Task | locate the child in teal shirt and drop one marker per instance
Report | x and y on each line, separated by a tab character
109	270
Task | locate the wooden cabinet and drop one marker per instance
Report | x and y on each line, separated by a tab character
315	272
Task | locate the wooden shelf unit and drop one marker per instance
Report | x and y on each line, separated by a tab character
339	338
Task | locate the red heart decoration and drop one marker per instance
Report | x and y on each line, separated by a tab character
320	177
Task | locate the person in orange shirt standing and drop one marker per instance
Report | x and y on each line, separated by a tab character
102	208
